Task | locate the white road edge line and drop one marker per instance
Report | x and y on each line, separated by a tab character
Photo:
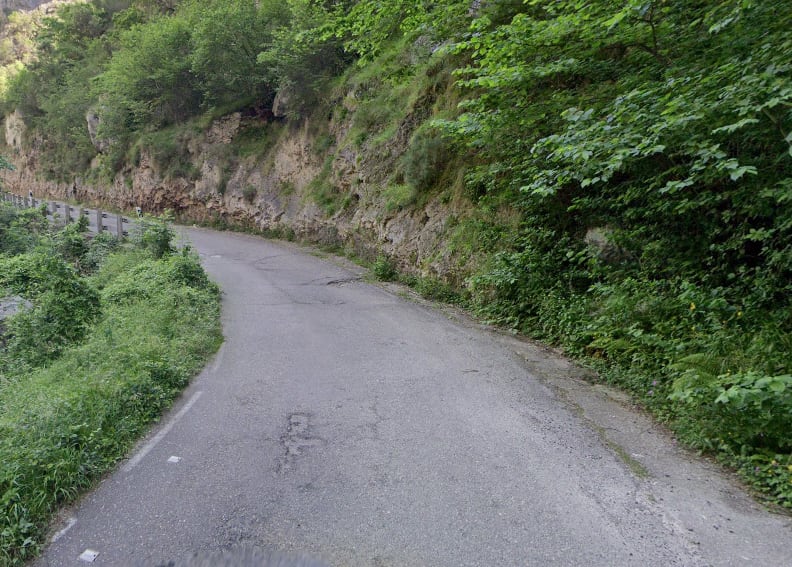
134	461
69	525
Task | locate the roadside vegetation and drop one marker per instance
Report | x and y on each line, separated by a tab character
627	166
106	336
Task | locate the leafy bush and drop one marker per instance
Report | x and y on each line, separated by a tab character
304	55
19	229
224	57
148	81
384	269
99	249
665	126
150	277
71	242
64	306
747	410
155	235
65	424
425	159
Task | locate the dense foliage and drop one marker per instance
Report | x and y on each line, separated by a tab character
628	165
136	69
110	335
648	147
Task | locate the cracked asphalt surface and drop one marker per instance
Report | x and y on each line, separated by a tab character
342	424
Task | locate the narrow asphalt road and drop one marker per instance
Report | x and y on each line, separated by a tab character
342	424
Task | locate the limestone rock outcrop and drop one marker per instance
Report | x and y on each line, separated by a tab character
14	130
274	191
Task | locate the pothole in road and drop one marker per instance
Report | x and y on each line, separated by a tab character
338	282
297	439
343	281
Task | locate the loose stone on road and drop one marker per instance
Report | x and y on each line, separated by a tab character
342	424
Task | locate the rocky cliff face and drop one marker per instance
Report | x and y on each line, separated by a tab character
9	6
274	192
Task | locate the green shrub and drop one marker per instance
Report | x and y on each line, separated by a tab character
435	290
149	81
745	410
169	150
71	242
155	235
99	249
64	306
14	238
384	269
255	139
65	425
398	197
184	269
425	160
150	277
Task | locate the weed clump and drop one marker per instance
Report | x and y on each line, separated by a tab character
384	269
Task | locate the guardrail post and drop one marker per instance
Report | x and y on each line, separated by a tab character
68	213
120	226
99	221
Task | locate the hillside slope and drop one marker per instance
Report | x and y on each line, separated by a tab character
615	178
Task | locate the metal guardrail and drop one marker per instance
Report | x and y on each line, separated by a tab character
98	220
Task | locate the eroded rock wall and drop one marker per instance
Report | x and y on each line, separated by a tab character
48	6
271	192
